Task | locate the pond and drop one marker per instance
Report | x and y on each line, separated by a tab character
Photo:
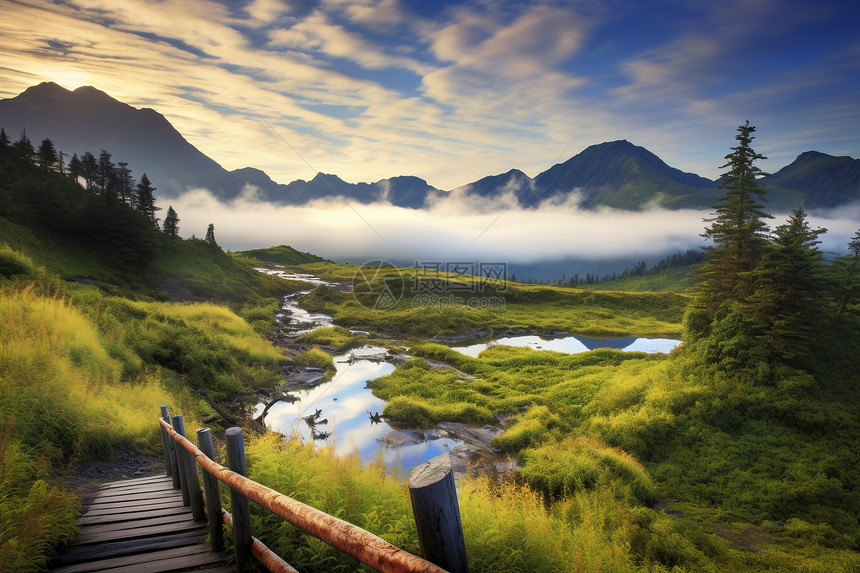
345	406
575	344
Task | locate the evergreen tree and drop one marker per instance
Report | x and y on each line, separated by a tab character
23	148
106	175
171	223
90	168
738	229
146	200
847	283
76	168
124	182
47	154
4	140
788	285
210	234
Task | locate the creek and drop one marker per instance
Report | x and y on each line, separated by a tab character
344	414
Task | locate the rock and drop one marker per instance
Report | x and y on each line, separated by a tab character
435	434
397	438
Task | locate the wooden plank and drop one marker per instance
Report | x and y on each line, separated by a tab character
133	506
120	491
133	559
129	534
137	497
145	565
109	517
83	553
126	482
133	523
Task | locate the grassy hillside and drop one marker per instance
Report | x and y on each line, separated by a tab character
96	332
677	279
282	255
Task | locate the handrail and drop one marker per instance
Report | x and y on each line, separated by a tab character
343	536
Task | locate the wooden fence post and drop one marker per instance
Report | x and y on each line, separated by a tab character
238	502
213	494
189	468
437	514
165	442
180	463
171	453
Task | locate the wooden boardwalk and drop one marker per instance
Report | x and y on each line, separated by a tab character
140	525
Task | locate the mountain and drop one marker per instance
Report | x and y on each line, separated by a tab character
624	176
500	186
87	119
614	174
826	181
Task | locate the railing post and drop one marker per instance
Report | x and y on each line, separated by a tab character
189	468
178	453
165	442
213	494
437	514
238	502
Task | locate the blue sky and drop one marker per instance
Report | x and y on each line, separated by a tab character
454	91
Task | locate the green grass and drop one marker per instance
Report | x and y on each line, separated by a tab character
490	305
676	279
281	255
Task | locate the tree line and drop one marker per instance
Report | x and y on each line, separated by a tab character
99	175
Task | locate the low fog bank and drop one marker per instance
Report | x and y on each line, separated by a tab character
456	229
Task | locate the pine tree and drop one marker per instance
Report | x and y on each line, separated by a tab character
106	175
4	140
171	223
210	234
76	168
47	154
738	229
124	182
23	148
788	286
847	283
146	200
90	168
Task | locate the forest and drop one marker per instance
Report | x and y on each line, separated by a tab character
738	451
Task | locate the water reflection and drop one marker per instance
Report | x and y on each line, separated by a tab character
347	404
575	344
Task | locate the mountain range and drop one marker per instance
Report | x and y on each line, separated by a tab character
614	174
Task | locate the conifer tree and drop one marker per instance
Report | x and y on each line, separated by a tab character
847	284
4	140
47	154
210	234
789	282
124	182
738	229
23	148
106	174
76	168
90	168
171	222
145	203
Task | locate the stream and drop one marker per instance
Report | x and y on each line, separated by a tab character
344	414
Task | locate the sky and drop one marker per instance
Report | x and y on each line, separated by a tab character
455	91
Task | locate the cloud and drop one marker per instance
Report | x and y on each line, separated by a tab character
450	230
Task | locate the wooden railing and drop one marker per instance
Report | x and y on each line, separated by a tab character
431	487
